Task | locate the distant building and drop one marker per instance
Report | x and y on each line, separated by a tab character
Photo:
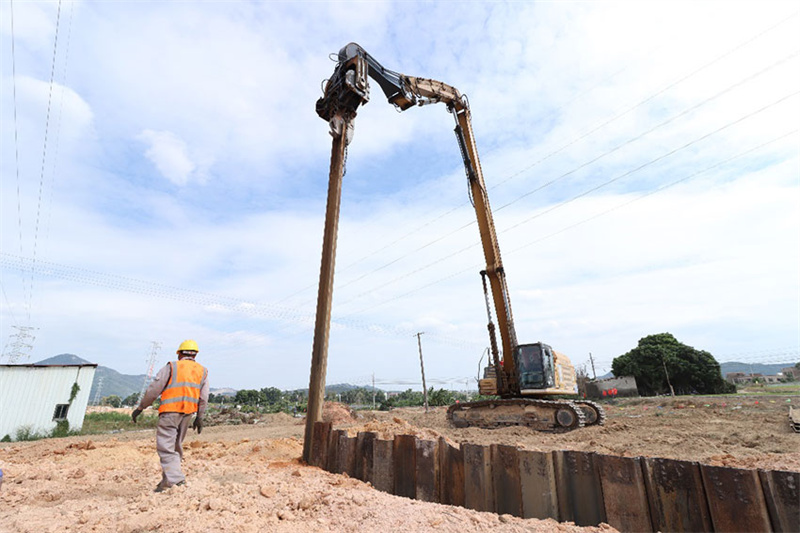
624	386
791	372
35	398
743	378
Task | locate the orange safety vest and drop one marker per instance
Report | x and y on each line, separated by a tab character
182	393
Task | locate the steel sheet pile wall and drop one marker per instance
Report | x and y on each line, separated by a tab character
629	493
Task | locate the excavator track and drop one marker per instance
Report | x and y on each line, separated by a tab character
554	416
594	413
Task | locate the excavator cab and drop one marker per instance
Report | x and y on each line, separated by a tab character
535	364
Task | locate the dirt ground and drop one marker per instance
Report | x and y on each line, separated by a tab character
248	477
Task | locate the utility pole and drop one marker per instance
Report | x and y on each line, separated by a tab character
422	367
594	374
373	391
671	390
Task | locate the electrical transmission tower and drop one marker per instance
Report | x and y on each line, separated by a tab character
151	361
22	344
99	389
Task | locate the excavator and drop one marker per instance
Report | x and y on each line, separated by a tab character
531	385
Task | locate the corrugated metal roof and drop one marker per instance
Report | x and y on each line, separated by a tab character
29	395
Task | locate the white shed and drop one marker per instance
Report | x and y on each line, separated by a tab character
35	398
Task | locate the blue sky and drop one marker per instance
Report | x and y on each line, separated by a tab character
164	177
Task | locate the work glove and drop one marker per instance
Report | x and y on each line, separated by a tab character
135	414
198	424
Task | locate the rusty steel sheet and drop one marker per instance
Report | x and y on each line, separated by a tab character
405	465
451	474
364	445
319	445
782	493
676	495
383	465
580	495
346	455
506	480
624	493
333	449
427	471
478	493
538	485
735	499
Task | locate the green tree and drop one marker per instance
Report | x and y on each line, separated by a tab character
272	395
440	397
113	400
131	400
690	371
250	397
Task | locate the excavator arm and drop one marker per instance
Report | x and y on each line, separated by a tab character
348	88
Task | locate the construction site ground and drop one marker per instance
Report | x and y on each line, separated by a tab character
246	475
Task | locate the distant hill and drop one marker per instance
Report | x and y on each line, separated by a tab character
227	391
754	368
114	383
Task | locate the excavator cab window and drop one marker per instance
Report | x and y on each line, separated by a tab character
535	363
530	365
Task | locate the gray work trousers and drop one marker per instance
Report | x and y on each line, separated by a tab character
170	431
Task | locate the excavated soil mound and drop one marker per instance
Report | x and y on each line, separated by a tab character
387	429
337	413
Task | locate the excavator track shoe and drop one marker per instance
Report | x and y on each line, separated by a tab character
595	415
554	416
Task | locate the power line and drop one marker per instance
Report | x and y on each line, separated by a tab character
16	139
580	195
51	187
572	171
44	157
196	297
563	147
657	126
640	197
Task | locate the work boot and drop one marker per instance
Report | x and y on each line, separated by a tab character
162	488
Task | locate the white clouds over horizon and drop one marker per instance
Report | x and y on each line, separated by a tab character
181	191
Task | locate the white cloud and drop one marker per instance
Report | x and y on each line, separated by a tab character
220	96
169	154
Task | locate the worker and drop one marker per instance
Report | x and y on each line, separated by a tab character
183	387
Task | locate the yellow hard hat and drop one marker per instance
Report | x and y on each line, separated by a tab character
188	346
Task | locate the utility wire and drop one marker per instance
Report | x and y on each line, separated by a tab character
653	96
565	202
424	225
44	158
51	187
584	221
572	171
657	126
211	300
16	141
549	155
